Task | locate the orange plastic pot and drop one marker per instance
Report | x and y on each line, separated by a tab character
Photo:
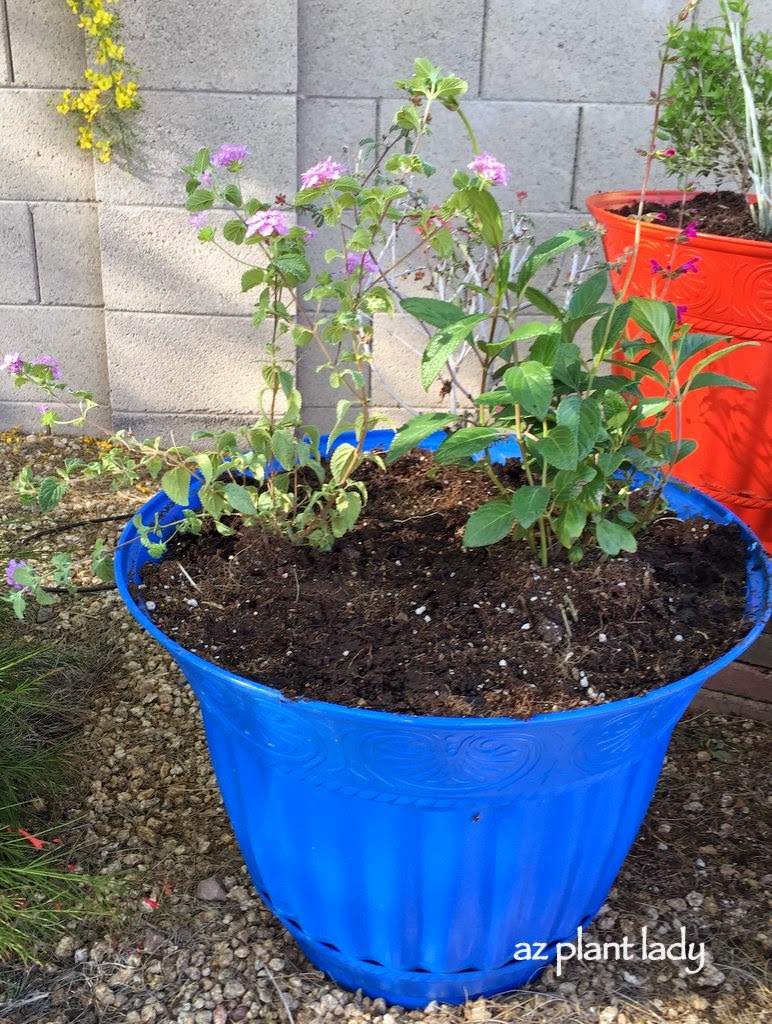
730	295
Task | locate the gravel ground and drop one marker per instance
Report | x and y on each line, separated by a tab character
188	941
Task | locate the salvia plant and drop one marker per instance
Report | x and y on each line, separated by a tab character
717	110
537	364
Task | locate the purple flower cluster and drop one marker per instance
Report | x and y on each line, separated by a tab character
227	155
360	259
322	173
13	363
51	363
267	223
10	572
198	220
490	169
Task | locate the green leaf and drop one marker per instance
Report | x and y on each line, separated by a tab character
725	351
487	210
239	499
584	301
652	406
584	419
569	525
252	278
294	264
530	504
233	195
340	460
201	199
283	448
176	483
234	231
656	318
488	524
51	493
690	344
608	330
348	506
416	430
432	311
464	443
443	344
712	380
546	252
613	538
544	303
558	448
530	385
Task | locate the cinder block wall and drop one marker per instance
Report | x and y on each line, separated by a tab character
99	267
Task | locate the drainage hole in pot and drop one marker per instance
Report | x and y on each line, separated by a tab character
294	924
372	963
335	949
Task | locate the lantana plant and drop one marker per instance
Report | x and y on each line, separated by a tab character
542	379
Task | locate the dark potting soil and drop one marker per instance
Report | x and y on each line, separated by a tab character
399	617
715	213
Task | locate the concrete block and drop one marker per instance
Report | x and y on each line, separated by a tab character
47	47
607	159
26	416
69	265
761	14
333	127
398	345
249	48
362	56
185	364
37	150
18	281
5	50
72	335
536	141
172	127
152	261
596	53
175	428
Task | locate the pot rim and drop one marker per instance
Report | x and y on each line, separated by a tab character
603	203
758	609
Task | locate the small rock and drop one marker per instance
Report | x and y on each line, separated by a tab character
233	989
608	1015
65	948
211	889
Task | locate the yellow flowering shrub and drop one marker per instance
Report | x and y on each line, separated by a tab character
109	93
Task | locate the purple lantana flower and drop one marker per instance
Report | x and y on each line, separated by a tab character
43	408
679	313
227	155
322	173
198	220
13	363
657	268
10	573
267	223
360	259
490	169
205	180
53	364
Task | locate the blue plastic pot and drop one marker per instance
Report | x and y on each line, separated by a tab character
409	856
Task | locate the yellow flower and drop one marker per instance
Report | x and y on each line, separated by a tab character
85	138
126	96
104	150
64	107
73	5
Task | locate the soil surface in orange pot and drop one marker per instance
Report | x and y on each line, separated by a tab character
399	617
715	213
